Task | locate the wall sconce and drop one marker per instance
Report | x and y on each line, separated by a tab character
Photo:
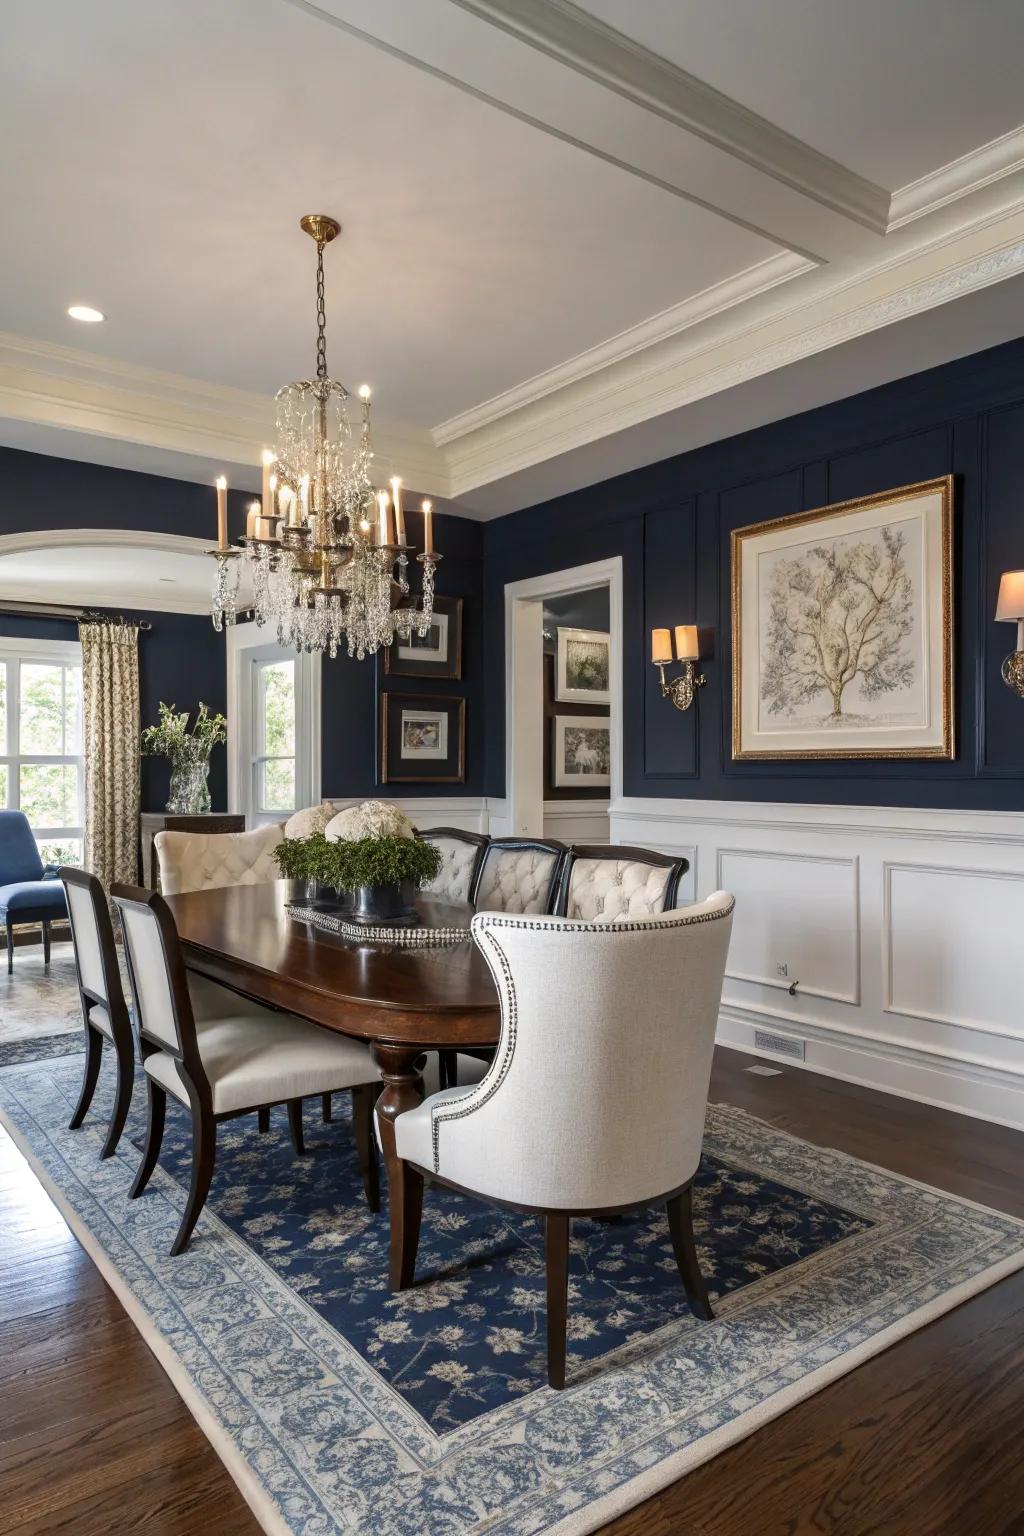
681	689
1010	607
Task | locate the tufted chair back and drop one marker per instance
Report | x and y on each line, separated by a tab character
200	861
618	885
461	853
519	874
597	1093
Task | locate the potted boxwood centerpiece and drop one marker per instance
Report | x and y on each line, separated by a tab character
367	864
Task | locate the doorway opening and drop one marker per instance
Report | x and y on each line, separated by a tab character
563	728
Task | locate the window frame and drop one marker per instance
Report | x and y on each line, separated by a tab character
248	647
260	756
15	653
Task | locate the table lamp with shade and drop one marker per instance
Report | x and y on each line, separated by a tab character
1010	609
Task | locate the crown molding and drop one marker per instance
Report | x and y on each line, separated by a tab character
769	333
977	169
592	48
716	300
76	391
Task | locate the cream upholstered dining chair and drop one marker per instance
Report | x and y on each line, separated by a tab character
617	884
202	861
104	1011
461	857
230	1063
595	1101
518	874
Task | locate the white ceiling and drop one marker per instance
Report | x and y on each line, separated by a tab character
567	248
100	574
891	88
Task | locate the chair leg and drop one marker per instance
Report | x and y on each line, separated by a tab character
263	1119
680	1224
556	1261
154	1136
363	1100
326	1108
407	1193
93	1055
295	1126
204	1149
122	1101
10	948
46	942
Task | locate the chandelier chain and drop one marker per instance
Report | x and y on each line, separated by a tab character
321	314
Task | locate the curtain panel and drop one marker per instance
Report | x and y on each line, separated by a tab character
110	690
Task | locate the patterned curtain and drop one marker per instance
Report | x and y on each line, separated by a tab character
110	689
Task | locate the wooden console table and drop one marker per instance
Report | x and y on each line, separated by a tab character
152	822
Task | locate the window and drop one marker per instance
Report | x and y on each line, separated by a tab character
41	768
274	762
273	727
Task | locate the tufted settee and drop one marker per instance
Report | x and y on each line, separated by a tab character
201	861
461	853
517	875
618	885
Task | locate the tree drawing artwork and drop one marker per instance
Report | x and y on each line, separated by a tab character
835	613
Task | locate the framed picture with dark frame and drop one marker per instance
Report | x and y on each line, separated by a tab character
422	739
438	653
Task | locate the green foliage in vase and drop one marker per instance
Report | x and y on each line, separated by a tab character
172	737
347	866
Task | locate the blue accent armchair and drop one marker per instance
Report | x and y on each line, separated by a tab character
26	894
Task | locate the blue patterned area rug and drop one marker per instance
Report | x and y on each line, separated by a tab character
338	1407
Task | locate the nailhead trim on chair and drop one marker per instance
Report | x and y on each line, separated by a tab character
510	1023
510	1008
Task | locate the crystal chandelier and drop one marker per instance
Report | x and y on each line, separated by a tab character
324	552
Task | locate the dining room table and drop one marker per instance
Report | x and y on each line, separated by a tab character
403	999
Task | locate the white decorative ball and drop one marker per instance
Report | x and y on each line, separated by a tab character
370	818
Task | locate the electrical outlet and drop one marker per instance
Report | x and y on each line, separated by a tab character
781	969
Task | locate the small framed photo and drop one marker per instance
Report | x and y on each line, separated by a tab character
582	746
582	667
422	739
438	653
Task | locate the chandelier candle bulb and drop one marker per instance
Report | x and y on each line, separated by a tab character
384	528
686	642
428	528
252	520
396	495
222	512
661	645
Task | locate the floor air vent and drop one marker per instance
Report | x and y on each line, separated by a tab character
778	1045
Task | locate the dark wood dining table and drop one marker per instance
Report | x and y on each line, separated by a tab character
402	1000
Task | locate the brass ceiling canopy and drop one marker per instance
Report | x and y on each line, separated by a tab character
321	227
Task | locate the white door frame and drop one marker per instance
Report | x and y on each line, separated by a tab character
524	685
248	637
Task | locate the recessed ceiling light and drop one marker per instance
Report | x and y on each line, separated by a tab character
85	312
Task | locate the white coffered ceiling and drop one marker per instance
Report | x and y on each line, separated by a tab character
568	249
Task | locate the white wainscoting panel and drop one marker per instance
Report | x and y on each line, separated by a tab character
952	954
800	921
900	928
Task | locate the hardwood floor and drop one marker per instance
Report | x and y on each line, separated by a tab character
924	1440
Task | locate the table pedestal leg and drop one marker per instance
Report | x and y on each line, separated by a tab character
403	1089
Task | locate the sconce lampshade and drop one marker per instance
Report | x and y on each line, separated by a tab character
686	642
1010	603
661	645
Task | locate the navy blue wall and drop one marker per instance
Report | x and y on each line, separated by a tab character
671	524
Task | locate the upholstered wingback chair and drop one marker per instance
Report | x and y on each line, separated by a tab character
595	1100
618	885
28	892
461	855
201	861
519	874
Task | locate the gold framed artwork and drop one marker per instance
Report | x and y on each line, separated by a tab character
842	630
